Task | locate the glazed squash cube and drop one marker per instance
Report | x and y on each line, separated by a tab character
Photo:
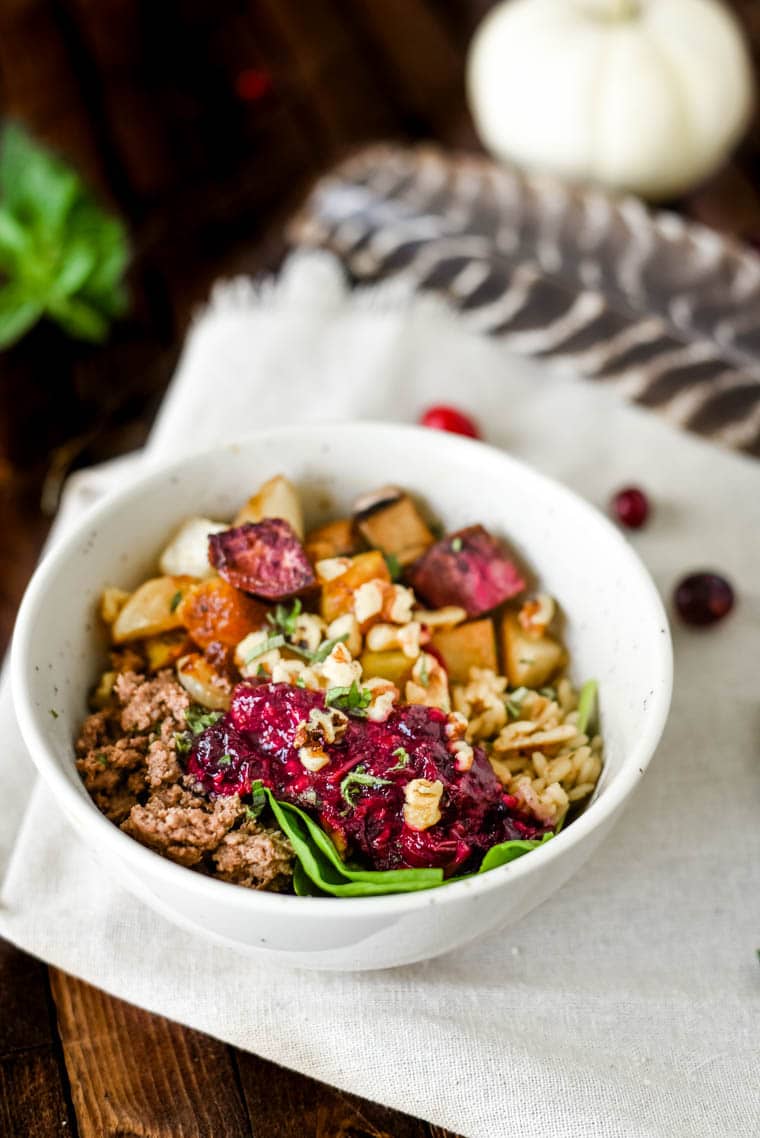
336	539
277	498
151	609
396	528
470	568
338	593
530	661
215	611
471	645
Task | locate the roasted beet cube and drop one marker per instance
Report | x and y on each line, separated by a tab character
470	568
265	559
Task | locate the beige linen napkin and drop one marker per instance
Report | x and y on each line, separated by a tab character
625	1007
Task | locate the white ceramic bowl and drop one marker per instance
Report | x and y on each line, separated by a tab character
616	631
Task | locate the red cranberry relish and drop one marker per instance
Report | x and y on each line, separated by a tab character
363	814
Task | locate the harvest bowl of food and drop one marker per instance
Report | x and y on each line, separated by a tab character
347	696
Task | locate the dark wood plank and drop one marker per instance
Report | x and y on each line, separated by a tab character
33	1085
139	1075
283	1104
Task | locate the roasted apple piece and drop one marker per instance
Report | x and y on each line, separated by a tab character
338	592
151	609
277	498
187	552
388	520
216	612
336	539
471	645
470	568
266	559
203	683
530	660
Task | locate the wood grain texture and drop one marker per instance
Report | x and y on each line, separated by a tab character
137	1075
282	1104
33	1085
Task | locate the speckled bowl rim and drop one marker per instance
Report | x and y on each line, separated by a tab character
98	830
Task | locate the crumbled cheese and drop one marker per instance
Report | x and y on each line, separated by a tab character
250	664
407	637
348	626
398	603
308	631
339	669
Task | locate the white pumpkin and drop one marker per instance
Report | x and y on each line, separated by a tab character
641	95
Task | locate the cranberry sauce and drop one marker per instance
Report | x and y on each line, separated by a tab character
358	796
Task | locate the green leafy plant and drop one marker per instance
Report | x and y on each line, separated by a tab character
320	870
587	706
61	255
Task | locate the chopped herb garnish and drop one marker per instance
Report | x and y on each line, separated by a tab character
261	671
353	700
515	701
325	649
403	759
183	743
527	661
548	693
258	802
102	759
424	673
357	778
198	719
456	545
268	645
300	682
284	619
587	707
224	760
394	566
174	602
54	713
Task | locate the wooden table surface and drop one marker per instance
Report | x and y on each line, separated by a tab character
204	125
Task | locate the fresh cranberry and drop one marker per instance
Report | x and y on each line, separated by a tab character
704	598
631	507
443	418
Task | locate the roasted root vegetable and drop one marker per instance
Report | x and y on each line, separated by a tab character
470	569
112	601
336	539
151	609
277	498
164	650
203	683
338	592
471	645
530	660
394	666
266	559
390	521
216	612
187	552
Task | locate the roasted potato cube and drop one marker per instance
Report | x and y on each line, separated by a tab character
203	683
164	650
151	609
336	539
277	498
338	593
215	611
187	552
264	558
530	661
397	529
467	646
393	666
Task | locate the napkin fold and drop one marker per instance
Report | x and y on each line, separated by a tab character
627	1005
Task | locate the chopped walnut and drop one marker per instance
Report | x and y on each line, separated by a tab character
422	803
339	669
348	626
368	602
464	755
313	758
536	614
407	637
398	603
328	726
482	702
448	617
383	695
429	684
